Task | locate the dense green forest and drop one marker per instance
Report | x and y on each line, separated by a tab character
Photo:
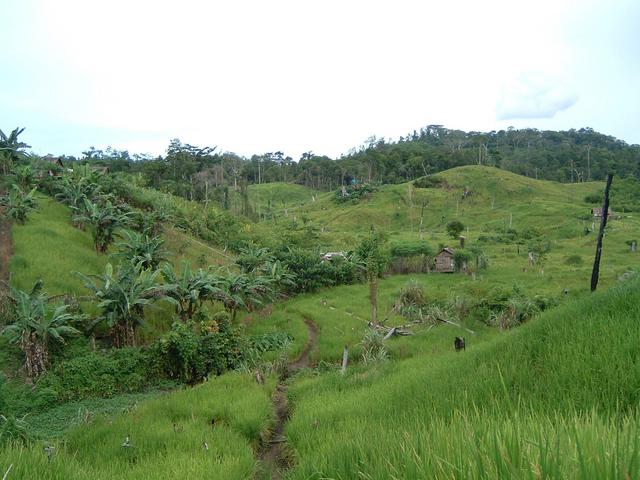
200	173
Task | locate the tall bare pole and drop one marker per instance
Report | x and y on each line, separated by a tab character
603	223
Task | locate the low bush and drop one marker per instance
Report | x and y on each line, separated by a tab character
190	353
125	370
429	181
573	260
354	193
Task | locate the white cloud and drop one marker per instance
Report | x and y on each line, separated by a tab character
253	76
533	95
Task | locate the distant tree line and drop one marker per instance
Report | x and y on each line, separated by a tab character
204	173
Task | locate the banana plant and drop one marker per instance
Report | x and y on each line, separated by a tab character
36	325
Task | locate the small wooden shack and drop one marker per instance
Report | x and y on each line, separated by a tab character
444	260
54	166
597	213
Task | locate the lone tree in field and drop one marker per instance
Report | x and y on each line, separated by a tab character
455	228
36	325
373	261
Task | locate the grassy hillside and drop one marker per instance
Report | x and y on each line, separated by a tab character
48	247
556	398
205	432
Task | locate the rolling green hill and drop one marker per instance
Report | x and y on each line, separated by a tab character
554	398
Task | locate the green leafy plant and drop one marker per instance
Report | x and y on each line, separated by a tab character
105	218
141	248
18	203
35	325
122	296
455	228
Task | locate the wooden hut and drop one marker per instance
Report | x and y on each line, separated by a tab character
444	260
54	166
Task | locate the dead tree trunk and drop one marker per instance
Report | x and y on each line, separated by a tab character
603	223
345	359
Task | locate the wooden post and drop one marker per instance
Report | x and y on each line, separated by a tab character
345	359
603	223
634	246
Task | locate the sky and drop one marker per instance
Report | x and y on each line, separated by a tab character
255	76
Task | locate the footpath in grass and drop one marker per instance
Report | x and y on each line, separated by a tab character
556	398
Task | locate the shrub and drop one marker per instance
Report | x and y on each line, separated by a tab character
354	193
461	259
190	356
412	294
429	181
12	430
373	347
593	198
573	260
411	249
125	370
455	228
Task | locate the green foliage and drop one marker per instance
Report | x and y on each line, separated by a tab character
191	354
104	218
412	295
461	259
373	347
18	203
594	198
141	249
454	228
12	431
371	255
95	374
429	181
36	325
11	149
310	272
410	249
122	296
354	193
573	260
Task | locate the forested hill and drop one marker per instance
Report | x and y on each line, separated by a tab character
565	156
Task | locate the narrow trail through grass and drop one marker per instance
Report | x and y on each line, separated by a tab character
273	456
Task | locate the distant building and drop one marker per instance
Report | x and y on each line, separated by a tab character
54	165
444	260
597	213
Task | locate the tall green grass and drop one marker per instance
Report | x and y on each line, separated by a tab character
556	398
170	437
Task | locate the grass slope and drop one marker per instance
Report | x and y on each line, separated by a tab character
47	246
171	437
556	398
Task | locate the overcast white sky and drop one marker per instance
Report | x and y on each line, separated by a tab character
257	76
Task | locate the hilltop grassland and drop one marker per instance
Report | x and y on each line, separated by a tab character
556	398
